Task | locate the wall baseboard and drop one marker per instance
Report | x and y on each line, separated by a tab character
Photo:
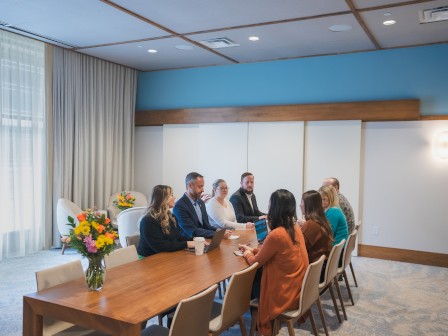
411	256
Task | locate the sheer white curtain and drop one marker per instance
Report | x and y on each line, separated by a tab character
93	129
22	145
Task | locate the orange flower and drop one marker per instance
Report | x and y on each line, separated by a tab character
107	220
110	235
81	217
100	228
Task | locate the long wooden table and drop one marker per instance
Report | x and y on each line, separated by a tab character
134	292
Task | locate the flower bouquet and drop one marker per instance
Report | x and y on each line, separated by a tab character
124	200
94	238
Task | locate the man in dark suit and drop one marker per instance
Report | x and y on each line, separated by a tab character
190	210
244	201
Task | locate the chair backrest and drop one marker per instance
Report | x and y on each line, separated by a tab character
65	208
310	286
121	256
59	274
331	269
192	315
128	221
133	240
349	247
237	299
357	226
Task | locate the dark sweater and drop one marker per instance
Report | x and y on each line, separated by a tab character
153	240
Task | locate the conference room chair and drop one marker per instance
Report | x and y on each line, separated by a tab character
192	317
140	201
121	256
65	208
128	223
347	259
235	303
357	226
331	277
309	295
133	240
55	276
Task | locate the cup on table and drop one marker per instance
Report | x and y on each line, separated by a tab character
199	245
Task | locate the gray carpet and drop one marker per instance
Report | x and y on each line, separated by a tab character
393	298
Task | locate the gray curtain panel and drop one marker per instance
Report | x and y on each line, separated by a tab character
93	129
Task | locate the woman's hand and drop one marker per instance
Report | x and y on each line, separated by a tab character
190	244
249	226
243	248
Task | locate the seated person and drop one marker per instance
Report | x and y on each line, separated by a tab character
244	201
158	228
316	229
220	210
330	203
285	260
190	210
344	204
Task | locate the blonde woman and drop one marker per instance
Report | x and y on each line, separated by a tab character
330	203
220	211
158	228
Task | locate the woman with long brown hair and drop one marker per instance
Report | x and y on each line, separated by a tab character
158	228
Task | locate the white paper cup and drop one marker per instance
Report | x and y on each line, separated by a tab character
199	244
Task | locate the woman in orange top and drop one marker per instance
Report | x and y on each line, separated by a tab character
285	260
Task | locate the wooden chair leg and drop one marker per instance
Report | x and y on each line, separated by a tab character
322	317
313	323
253	322
334	302
242	326
344	274
353	273
290	326
340	297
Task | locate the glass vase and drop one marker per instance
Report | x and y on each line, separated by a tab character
95	273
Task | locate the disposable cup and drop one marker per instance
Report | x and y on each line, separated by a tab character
199	244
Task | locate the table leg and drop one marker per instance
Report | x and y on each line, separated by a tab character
32	322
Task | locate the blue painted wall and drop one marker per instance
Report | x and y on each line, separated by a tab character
420	72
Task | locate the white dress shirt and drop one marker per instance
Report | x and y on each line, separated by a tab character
222	216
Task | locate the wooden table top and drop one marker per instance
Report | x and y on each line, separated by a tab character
136	291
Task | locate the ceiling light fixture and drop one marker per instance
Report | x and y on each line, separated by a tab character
339	28
254	38
433	14
389	22
152	51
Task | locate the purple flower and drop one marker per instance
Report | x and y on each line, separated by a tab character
90	244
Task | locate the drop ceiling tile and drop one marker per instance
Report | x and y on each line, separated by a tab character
374	3
407	31
77	22
197	15
293	39
136	55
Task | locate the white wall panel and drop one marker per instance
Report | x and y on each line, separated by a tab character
405	194
275	157
148	158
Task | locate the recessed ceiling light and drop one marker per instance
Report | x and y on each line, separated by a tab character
339	28
184	47
389	22
254	38
152	51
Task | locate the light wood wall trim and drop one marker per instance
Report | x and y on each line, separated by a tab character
434	117
387	110
411	256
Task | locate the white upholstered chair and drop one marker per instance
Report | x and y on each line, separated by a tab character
140	201
192	317
347	260
64	209
128	223
54	276
121	256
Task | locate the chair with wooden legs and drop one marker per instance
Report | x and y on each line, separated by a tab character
235	304
55	276
357	226
331	277
121	256
347	259
192	317
309	295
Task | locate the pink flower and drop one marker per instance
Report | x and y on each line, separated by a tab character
90	244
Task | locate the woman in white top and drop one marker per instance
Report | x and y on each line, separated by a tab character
220	211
